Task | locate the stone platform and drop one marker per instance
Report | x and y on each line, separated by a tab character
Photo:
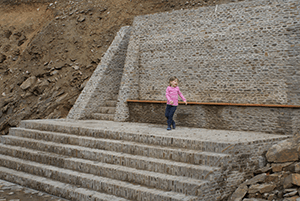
105	160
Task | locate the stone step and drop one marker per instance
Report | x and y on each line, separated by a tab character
100	116
139	162
92	182
57	188
107	110
131	132
180	155
111	103
141	177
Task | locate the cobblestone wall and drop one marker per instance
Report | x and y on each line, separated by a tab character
261	119
245	52
105	82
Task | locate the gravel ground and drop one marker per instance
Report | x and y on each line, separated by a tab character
14	192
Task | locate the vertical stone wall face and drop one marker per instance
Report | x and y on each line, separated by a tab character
261	119
244	52
104	84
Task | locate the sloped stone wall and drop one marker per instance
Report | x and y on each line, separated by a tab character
105	82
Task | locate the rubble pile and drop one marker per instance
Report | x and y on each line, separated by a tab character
279	180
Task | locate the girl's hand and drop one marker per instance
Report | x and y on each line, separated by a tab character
171	102
185	102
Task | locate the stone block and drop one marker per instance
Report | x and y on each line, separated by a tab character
261	188
257	179
295	198
282	152
290	194
294	167
296	179
265	169
288	182
275	178
277	167
239	194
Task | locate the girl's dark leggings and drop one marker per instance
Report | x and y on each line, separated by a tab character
170	110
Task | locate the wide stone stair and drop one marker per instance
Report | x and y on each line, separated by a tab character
106	112
105	160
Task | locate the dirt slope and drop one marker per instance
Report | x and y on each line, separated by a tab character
55	46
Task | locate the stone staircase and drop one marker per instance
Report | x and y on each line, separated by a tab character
104	160
107	112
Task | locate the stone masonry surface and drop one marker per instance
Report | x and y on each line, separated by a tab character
201	134
127	160
105	81
283	121
245	52
14	192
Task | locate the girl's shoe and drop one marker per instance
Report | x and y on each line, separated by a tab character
169	128
173	125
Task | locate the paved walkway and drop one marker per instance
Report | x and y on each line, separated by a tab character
14	192
202	134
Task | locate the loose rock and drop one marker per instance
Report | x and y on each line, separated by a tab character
28	83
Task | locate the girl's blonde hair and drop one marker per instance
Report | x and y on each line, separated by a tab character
172	79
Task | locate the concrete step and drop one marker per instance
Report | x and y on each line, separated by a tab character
180	155
107	110
57	188
139	162
111	103
132	132
92	182
100	116
141	177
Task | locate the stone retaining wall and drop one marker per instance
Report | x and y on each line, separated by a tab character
105	81
261	119
245	52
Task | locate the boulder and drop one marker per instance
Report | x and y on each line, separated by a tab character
296	179
297	167
284	151
239	194
28	83
295	198
290	194
262	188
275	178
257	179
265	169
294	167
288	182
277	167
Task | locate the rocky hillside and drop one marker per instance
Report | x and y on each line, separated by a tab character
49	49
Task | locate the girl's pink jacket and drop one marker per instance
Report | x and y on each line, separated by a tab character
172	95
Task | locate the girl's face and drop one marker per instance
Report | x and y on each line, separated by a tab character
174	83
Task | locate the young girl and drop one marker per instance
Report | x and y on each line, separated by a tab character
172	93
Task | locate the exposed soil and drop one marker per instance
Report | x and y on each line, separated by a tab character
58	45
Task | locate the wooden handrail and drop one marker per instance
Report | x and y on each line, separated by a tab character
227	104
